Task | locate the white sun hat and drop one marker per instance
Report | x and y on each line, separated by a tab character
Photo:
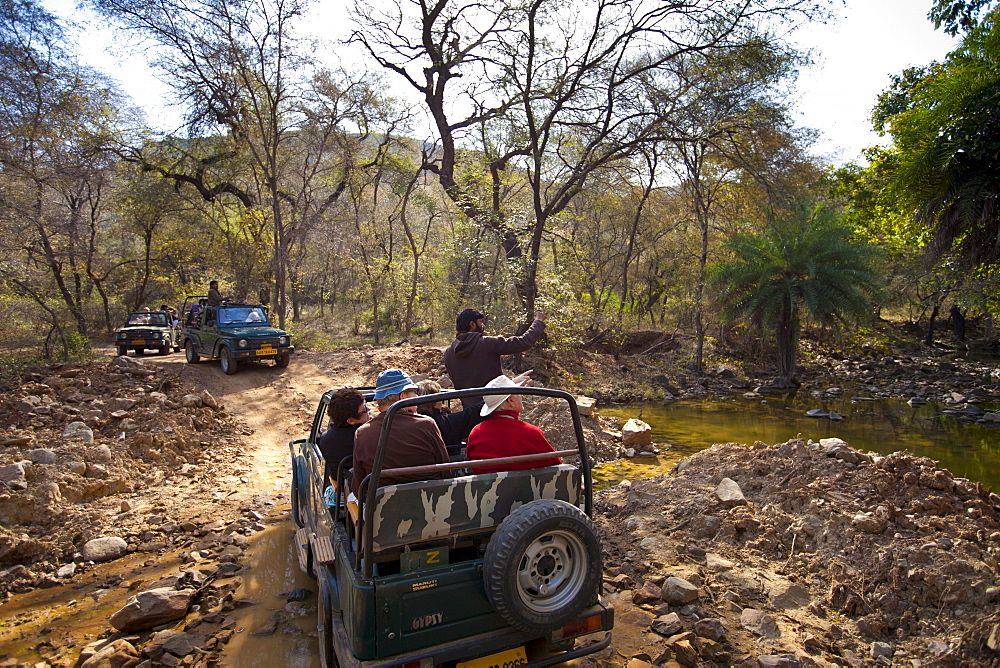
492	401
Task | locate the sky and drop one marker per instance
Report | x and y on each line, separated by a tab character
854	57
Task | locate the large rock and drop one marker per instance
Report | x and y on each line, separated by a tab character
213	403
789	595
104	549
192	401
759	622
120	404
729	493
12	476
667	625
152	608
115	654
678	591
586	405
637	432
78	431
42	456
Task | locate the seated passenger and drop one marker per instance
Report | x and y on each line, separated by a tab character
348	411
414	440
504	434
455	427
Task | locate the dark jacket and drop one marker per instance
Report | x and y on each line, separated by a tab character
335	444
473	359
455	427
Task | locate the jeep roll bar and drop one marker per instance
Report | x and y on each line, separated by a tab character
366	511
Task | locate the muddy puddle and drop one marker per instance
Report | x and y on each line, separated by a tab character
270	572
968	450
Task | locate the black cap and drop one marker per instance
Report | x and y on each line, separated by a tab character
466	318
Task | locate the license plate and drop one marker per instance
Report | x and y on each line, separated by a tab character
267	351
416	560
507	659
138	341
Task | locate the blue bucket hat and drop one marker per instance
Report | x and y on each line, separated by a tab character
392	381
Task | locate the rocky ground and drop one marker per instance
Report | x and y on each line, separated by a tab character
768	554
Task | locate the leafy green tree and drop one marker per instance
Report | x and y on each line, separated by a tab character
944	120
806	266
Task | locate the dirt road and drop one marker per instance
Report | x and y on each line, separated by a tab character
278	405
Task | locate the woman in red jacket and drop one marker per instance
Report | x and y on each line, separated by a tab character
504	434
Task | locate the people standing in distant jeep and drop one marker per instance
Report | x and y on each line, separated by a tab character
473	359
214	296
348	411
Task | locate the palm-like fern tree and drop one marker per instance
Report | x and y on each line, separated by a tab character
806	266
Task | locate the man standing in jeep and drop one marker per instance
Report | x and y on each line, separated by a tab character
214	296
473	359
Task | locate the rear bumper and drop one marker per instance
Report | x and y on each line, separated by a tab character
474	646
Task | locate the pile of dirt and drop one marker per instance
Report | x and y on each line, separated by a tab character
82	439
803	554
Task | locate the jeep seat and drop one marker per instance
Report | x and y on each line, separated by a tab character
414	512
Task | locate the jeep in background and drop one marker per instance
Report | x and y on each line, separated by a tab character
474	571
232	333
147	329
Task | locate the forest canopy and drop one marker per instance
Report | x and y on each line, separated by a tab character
588	158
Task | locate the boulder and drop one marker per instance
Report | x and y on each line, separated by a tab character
78	431
12	476
152	608
104	549
789	595
759	623
646	595
729	493
42	456
101	453
191	401
120	404
637	432
678	591
115	654
208	400
710	628
586	405
667	625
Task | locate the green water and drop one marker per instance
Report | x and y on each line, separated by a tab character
884	426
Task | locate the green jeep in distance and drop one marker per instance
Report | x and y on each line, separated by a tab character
147	329
475	571
232	333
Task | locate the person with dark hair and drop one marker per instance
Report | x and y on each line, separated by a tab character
455	427
214	296
348	411
415	440
504	434
473	359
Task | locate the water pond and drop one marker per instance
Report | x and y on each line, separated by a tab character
968	450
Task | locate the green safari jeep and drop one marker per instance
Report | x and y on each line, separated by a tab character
474	571
232	333
147	330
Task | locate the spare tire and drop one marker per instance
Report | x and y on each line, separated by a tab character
543	565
